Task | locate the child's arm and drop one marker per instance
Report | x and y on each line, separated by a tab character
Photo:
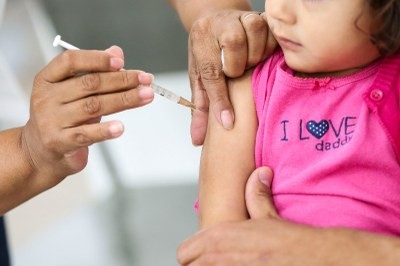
228	159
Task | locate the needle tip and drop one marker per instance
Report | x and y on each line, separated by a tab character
184	102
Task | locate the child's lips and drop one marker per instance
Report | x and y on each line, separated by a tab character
287	43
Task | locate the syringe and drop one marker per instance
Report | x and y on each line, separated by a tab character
156	88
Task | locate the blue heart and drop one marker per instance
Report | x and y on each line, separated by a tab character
318	130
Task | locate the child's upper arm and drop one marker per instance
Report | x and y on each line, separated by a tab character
228	159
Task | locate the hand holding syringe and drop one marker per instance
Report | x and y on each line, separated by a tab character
156	88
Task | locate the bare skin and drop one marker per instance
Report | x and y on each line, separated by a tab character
227	160
266	239
244	43
65	114
244	37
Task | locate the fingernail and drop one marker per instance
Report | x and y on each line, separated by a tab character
263	177
116	129
251	14
115	51
227	119
145	92
146	78
116	63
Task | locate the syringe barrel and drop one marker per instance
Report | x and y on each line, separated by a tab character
165	93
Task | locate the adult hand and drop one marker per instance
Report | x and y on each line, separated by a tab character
266	239
69	97
245	40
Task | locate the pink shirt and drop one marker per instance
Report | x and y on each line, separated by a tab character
334	162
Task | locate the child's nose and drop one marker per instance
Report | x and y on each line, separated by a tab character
282	10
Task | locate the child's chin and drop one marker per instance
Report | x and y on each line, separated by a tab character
300	66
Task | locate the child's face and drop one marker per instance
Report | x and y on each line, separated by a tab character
322	35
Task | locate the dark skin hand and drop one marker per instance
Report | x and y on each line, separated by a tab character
65	119
66	125
266	239
244	38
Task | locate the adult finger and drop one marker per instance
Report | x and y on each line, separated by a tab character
258	194
198	126
233	43
104	104
116	51
229	259
190	249
208	69
256	30
72	62
219	238
271	41
85	135
222	240
96	83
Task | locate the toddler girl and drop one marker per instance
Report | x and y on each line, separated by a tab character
325	117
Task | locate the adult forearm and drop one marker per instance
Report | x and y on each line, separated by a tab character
17	181
190	10
357	248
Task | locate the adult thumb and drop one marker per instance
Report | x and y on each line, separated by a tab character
258	194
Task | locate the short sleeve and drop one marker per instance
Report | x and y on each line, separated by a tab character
264	74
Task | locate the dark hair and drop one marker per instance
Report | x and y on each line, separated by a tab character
386	35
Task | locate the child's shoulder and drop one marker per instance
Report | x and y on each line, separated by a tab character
389	71
275	58
269	64
387	85
391	62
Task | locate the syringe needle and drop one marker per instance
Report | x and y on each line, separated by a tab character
156	88
187	103
172	96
